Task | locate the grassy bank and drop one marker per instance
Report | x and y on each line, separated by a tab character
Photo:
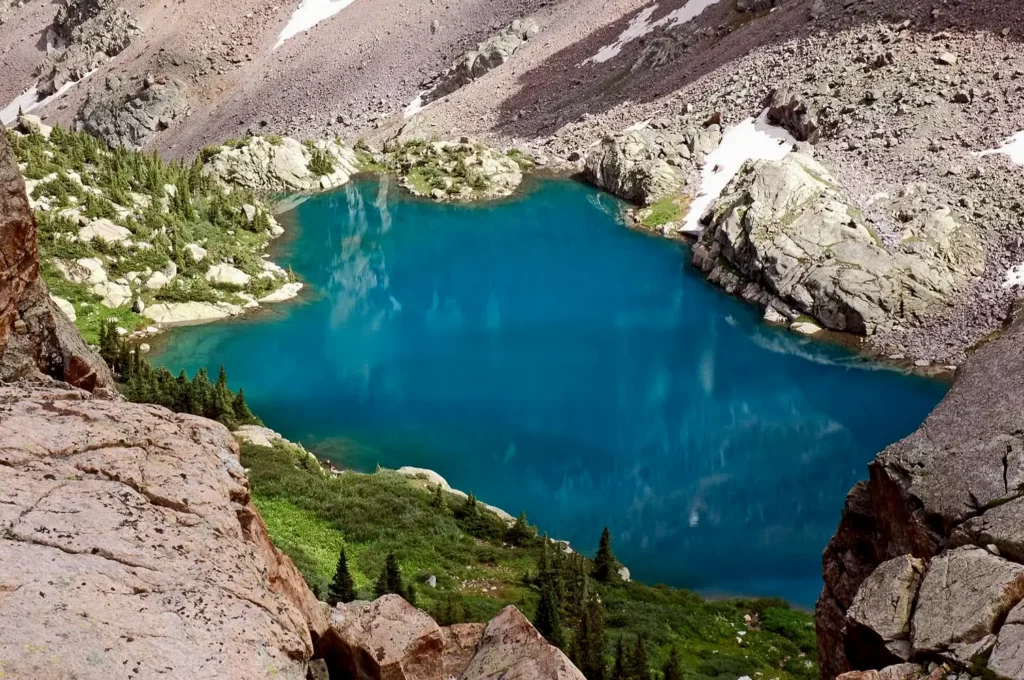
311	514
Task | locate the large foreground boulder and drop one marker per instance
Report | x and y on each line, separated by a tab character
946	497
36	338
129	548
782	235
389	639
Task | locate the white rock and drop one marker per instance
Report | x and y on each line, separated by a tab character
250	212
285	292
196	252
624	573
260	436
94	271
805	328
157	281
172	313
65	306
772	315
144	348
105	230
226	274
114	294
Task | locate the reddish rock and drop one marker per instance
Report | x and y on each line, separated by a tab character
461	641
129	548
384	639
35	337
512	649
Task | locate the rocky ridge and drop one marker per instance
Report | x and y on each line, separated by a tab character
927	564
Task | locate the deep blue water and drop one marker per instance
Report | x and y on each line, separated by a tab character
540	355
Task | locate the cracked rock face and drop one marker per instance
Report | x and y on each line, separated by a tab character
36	338
948	496
644	165
127	541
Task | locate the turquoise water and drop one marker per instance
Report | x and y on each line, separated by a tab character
540	355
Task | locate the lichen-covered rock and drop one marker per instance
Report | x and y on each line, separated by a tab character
782	234
35	337
947	494
130	115
127	541
636	167
487	56
273	165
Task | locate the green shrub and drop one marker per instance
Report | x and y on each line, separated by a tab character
320	162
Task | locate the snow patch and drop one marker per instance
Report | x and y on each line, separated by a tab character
1014	276
1012	147
309	14
641	25
29	101
415	106
750	140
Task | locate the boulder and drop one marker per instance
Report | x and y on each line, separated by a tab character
104	230
50	345
66	307
630	166
196	252
180	313
783	235
387	639
965	595
797	113
92	271
114	294
512	649
130	543
286	292
461	641
225	274
1007	658
878	621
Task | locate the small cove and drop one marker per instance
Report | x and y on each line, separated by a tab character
540	355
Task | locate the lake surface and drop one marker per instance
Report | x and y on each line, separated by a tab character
540	355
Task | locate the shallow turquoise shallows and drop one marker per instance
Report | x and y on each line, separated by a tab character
540	355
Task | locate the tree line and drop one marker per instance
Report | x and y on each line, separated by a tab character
139	382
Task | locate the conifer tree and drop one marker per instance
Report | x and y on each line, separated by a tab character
548	620
242	413
201	392
343	587
220	407
619	669
604	561
673	669
636	668
390	579
438	500
520	533
592	664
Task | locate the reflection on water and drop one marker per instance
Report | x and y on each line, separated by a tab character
540	355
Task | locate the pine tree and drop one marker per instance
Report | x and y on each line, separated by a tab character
438	500
449	615
619	669
636	668
410	593
673	669
548	620
343	587
243	415
469	508
201	392
604	561
520	533
390	579
592	662
221	408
